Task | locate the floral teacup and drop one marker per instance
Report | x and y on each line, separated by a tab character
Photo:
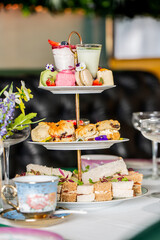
36	195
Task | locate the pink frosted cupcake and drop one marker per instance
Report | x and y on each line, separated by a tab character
65	78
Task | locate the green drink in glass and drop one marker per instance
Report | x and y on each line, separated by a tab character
90	55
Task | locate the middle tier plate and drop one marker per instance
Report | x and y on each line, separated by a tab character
76	89
80	145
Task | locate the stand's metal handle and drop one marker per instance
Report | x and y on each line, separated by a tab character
69	41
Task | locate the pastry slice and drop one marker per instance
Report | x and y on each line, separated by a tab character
41	132
87	132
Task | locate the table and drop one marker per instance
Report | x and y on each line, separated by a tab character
118	222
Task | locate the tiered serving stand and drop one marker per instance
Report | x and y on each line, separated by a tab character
78	145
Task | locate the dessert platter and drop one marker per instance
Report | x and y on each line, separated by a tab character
76	89
70	77
76	72
79	145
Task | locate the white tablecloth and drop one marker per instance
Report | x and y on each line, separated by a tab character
117	222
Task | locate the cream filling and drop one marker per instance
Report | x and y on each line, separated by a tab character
100	192
107	131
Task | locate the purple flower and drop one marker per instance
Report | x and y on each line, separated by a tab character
101	138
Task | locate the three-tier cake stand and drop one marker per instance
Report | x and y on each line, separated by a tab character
78	145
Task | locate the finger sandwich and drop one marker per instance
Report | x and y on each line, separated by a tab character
102	191
43	170
69	192
137	178
85	193
108	169
122	189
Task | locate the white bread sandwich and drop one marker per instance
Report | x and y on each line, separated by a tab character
108	169
87	132
102	191
43	170
137	178
122	189
59	189
85	193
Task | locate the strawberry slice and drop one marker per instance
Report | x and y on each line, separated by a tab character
53	44
50	83
98	82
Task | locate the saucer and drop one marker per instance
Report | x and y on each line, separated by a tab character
18	218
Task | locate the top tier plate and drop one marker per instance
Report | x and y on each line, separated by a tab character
76	89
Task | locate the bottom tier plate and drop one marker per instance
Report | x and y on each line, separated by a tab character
80	145
95	205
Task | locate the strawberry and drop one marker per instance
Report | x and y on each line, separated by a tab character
53	44
98	82
50	83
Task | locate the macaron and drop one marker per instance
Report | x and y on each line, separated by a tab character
84	78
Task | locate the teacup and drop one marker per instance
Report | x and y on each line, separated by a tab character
36	195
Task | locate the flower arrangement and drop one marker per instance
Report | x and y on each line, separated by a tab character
8	105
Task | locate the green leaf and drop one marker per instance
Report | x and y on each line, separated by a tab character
90	181
80	182
75	171
77	181
125	179
101	80
109	177
3	90
23	119
114	180
87	168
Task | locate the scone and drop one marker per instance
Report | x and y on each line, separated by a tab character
62	131
86	133
40	133
110	128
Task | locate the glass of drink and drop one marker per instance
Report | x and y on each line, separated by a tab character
137	118
90	55
150	128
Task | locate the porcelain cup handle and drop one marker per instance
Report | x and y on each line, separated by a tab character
14	195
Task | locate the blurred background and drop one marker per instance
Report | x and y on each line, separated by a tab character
126	30
129	32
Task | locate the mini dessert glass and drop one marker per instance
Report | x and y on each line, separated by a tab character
90	55
36	195
63	57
